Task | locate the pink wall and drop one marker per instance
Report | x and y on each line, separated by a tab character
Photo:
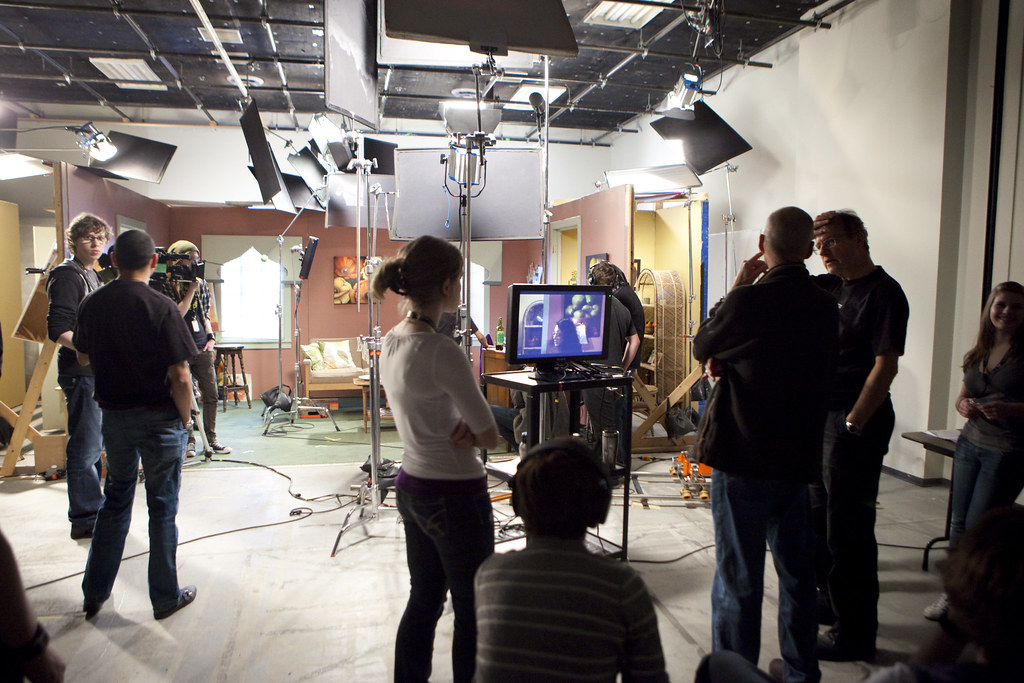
606	225
87	192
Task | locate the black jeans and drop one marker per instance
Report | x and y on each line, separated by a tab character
848	494
446	540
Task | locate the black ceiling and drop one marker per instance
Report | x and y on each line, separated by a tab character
45	47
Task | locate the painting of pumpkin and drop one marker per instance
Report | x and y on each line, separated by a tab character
346	280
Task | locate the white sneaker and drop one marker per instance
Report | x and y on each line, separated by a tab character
937	609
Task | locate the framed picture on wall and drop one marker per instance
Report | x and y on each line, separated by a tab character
347	270
125	223
595	258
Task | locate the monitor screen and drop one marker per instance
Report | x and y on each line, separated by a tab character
549	323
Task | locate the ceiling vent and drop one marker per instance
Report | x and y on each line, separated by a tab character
226	35
623	14
129	74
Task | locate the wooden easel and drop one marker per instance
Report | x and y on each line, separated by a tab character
49	448
657	412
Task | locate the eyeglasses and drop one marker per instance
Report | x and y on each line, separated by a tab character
96	239
828	243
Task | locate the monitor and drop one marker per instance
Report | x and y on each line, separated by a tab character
548	325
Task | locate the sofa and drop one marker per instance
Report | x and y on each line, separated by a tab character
332	365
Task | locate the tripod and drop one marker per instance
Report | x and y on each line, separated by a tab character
297	402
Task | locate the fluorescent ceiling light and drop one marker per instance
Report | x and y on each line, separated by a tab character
655	178
15	165
128	74
623	14
521	98
226	35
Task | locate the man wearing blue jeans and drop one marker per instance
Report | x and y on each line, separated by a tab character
66	286
139	346
772	346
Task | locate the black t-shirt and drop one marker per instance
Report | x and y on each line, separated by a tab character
631	301
132	334
873	313
199	308
620	326
66	286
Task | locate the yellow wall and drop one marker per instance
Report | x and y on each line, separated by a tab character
12	382
644	242
570	257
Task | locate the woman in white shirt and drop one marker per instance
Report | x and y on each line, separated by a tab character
442	418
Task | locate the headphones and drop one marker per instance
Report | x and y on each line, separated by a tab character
596	508
620	277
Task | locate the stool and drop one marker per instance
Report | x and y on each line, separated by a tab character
229	354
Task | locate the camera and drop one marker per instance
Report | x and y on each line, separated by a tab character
177	267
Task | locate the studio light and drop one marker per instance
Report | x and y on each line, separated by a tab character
13	165
654	179
95	145
460	117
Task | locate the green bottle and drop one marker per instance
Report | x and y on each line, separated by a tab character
499	336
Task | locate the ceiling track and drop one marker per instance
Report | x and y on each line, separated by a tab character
602	110
515	78
199	56
97	80
644	52
157	14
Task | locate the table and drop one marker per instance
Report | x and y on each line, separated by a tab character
364	386
943	447
524	381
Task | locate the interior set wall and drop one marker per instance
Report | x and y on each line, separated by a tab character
12	377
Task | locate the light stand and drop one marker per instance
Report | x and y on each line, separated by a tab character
296	402
368	502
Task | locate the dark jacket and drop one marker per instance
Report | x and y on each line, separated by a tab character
66	286
776	341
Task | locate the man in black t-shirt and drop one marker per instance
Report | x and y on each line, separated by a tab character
607	408
139	346
66	286
604	273
873	313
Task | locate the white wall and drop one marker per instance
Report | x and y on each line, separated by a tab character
848	117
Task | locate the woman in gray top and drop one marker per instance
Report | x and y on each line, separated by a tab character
988	467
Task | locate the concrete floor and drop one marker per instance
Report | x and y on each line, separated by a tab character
274	605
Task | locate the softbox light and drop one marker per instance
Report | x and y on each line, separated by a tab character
707	140
265	167
137	158
495	26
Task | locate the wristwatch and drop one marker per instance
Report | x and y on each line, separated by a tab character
853	428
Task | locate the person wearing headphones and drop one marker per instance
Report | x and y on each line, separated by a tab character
605	273
554	611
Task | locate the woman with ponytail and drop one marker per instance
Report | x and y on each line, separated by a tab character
442	418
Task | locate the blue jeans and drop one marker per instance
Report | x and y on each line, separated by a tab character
748	512
157	437
84	466
446	540
982	479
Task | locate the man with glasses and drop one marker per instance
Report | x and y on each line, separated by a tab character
66	286
873	313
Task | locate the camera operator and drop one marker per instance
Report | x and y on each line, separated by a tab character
185	285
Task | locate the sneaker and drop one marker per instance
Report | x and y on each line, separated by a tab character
938	609
219	448
80	532
190	450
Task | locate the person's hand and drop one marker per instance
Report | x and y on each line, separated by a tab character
713	367
46	667
210	343
462	437
822	220
967	408
83	358
751	269
996	410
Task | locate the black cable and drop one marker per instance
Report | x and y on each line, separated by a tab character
675	559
